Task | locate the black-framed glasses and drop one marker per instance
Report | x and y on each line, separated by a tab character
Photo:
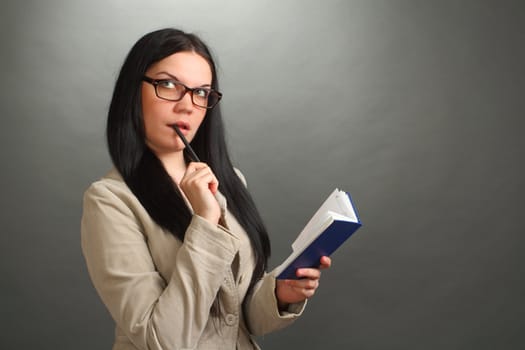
173	90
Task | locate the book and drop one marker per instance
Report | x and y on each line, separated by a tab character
333	223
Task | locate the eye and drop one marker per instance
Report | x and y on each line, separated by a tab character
168	84
201	92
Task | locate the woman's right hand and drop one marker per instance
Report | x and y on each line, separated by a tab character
199	184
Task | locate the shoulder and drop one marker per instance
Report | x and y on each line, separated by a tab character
112	181
109	203
111	188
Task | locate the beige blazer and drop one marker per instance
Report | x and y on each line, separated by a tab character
160	290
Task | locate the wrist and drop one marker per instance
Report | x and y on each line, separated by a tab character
211	217
282	306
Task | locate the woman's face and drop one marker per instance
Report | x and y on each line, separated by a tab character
159	115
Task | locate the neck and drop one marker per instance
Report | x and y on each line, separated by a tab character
174	164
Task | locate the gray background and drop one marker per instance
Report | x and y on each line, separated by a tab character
414	107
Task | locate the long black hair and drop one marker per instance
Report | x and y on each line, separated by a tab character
144	173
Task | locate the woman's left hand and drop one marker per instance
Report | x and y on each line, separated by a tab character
295	291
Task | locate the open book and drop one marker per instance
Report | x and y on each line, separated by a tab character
331	225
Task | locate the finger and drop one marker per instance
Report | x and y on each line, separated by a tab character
310	284
304	284
305	292
201	173
206	176
210	180
195	166
310	273
326	262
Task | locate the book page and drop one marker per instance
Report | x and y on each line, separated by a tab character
308	238
346	207
338	207
337	202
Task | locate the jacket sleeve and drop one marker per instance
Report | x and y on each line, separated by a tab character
153	312
261	311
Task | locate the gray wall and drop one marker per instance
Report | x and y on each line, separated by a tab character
415	107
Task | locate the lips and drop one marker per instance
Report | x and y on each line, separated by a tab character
182	125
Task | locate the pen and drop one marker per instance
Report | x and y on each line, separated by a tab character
192	154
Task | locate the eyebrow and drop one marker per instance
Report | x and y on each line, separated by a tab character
177	79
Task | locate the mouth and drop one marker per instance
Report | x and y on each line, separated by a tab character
183	126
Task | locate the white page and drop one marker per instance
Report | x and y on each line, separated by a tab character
337	202
321	227
329	204
346	207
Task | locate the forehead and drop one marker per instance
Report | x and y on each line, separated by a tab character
188	67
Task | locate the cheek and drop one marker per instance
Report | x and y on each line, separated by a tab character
152	110
147	103
149	117
199	118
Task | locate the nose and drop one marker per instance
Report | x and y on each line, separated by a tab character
185	102
188	95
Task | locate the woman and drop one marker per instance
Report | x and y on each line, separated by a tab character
176	249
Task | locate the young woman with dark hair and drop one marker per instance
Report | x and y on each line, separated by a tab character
176	248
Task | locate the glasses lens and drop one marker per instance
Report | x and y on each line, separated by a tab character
205	98
213	99
170	90
200	97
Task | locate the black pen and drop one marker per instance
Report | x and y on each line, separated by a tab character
191	153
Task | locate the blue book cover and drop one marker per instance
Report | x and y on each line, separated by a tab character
334	222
